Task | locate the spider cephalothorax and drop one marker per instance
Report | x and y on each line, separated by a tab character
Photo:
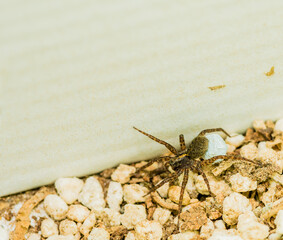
188	158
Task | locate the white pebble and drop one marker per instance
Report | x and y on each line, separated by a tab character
98	234
242	184
183	236
78	212
114	195
32	236
68	227
48	228
279	222
250	228
268	196
88	224
134	193
249	151
163	190
207	229
69	188
219	224
123	173
130	236
235	140
161	215
133	214
259	124
61	237
216	146
4	234
234	205
92	194
55	206
275	236
148	230
110	217
279	125
224	235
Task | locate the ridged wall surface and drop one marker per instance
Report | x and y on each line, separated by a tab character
77	75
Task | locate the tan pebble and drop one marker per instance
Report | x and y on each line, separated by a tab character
34	236
88	224
55	207
133	214
148	230
219	234
163	191
234	205
130	236
189	235
219	224
230	148
92	195
249	151
242	184
250	228
259	124
98	234
48	228
161	215
78	212
123	173
109	217
207	229
235	140
275	236
268	197
270	155
174	195
134	193
279	125
114	195
61	237
279	222
68	227
69	188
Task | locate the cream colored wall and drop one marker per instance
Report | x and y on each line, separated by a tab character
77	75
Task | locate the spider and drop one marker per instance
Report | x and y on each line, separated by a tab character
188	158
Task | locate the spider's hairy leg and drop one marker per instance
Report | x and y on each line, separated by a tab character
159	159
183	187
227	157
210	130
165	180
167	145
182	142
206	181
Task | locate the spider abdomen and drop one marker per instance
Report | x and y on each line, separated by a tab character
198	147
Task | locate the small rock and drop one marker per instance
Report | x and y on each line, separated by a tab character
4	234
161	215
194	216
110	217
234	205
216	146
88	224
134	193
68	227
32	236
224	235
69	188
268	196
92	194
275	236
207	229
174	195
219	224
130	236
78	213
114	195
259	124
98	234
61	237
190	235
242	184
230	148
48	228
235	140
279	125
249	151
55	207
279	222
148	230
163	191
133	214
250	228
123	173
269	155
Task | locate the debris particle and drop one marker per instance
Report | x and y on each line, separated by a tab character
271	72
216	87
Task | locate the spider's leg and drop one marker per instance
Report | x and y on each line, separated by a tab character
226	157
183	187
165	180
182	142
167	145
210	130
159	159
199	169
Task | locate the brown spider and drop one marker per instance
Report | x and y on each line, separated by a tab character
190	158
